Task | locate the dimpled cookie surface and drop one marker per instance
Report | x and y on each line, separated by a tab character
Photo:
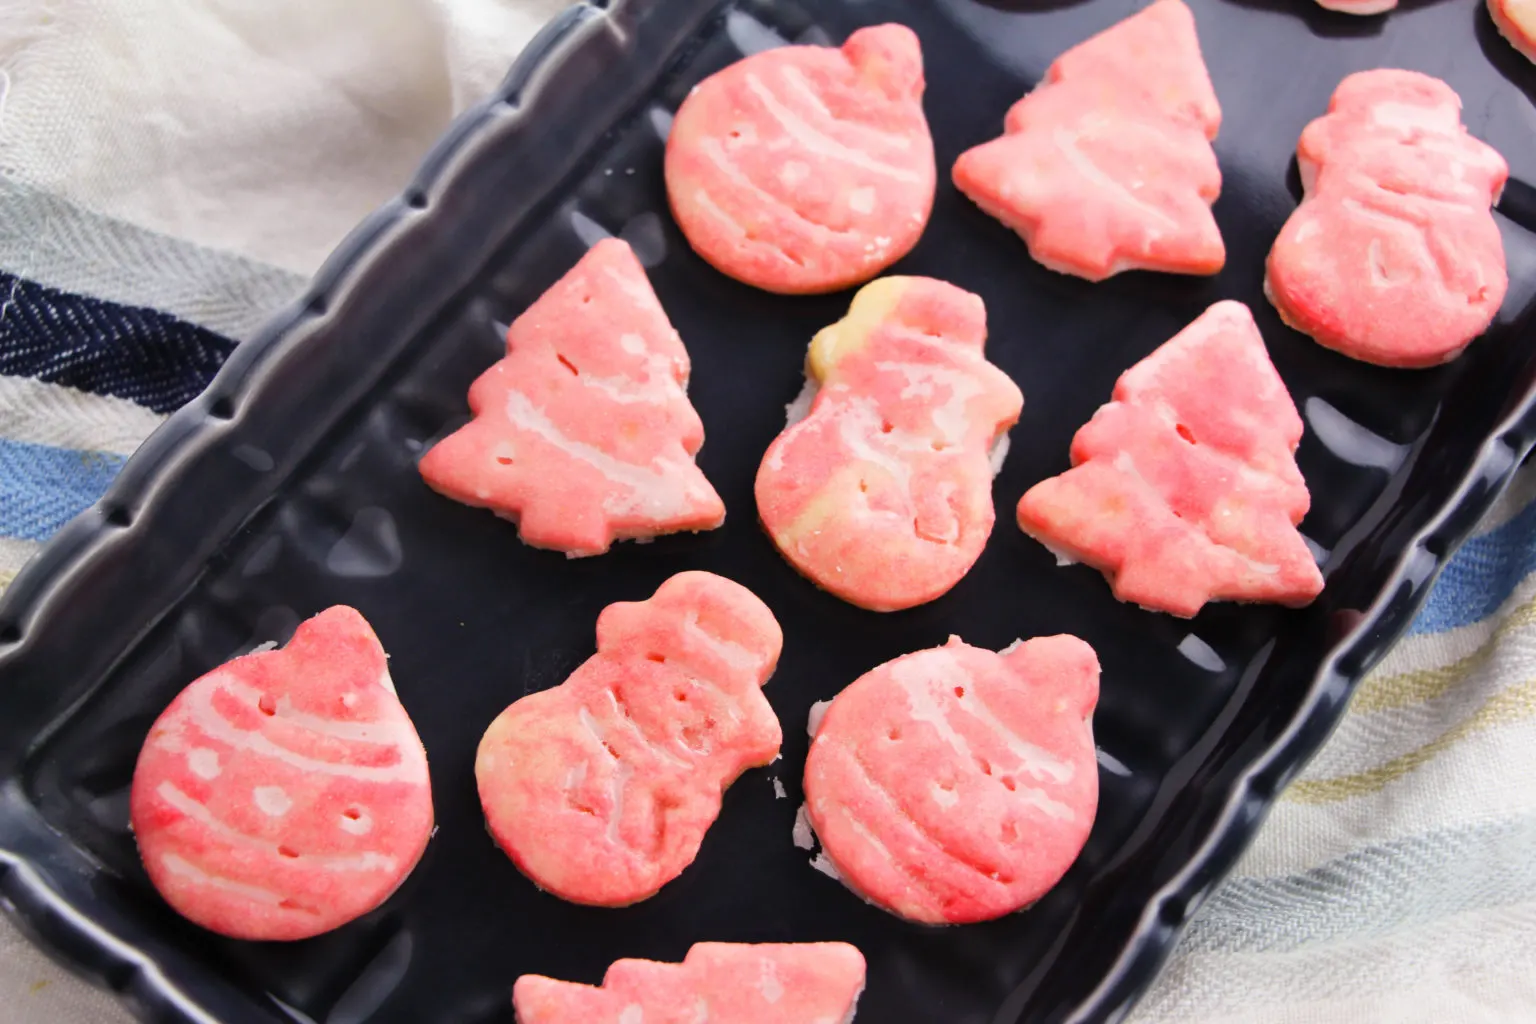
284	793
601	789
1393	257
1107	165
583	433
955	784
806	168
882	495
1184	488
717	983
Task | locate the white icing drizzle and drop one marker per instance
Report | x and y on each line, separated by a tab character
652	493
368	860
203	762
358	826
186	869
920	676
618	787
949	418
707	203
737	656
656	385
858	425
272	801
200	712
1125	464
1412	233
386	734
1411	117
716	154
813	139
1067	140
801	86
768	983
575	775
1034	760
899	815
639	292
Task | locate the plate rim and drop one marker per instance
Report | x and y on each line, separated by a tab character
71	936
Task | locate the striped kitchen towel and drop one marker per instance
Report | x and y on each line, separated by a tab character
145	230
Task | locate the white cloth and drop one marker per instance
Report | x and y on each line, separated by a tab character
203	156
267	129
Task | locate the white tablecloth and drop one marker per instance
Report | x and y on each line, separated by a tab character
200	157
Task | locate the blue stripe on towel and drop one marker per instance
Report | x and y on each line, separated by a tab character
105	348
1482	575
44	487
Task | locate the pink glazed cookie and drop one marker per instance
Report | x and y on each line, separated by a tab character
1393	257
284	793
727	983
882	495
601	789
1516	21
806	168
1107	165
1184	488
956	785
583	433
1361	7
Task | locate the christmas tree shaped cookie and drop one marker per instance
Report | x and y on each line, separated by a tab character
732	983
1107	165
1184	488
583	434
1393	257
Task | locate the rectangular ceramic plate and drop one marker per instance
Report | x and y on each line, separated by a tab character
291	486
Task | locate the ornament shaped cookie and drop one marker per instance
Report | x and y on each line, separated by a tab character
601	789
1516	22
730	983
583	434
1393	257
1184	488
806	168
1107	165
882	495
284	793
956	785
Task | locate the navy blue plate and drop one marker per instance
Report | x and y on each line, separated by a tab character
290	486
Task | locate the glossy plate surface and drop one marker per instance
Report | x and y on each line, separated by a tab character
290	486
